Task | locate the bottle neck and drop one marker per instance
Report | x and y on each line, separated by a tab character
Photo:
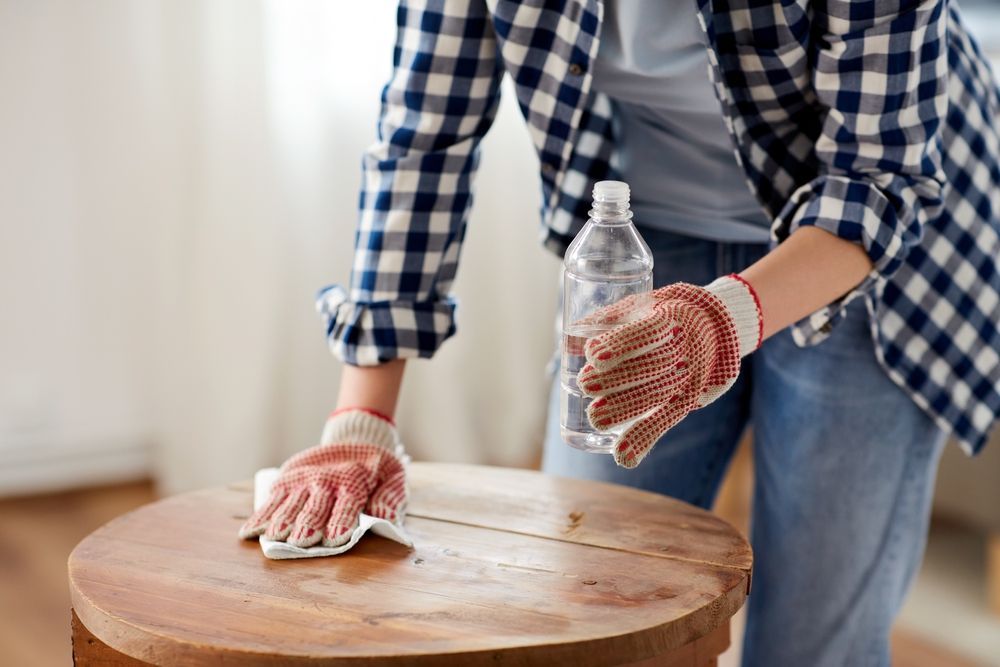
610	213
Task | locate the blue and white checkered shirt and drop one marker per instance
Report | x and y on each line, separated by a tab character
877	120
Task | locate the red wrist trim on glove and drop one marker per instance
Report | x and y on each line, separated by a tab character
760	311
373	413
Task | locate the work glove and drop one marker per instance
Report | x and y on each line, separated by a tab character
320	492
682	355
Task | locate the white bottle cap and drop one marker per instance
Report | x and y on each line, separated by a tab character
614	192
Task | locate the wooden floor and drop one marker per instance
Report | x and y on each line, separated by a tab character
36	536
39	532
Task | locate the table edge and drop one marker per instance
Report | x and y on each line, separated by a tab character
145	644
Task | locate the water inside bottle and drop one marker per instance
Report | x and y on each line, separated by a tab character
575	427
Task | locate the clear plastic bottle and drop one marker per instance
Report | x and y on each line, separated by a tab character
607	261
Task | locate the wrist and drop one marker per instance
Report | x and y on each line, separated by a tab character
375	388
743	306
361	426
370	411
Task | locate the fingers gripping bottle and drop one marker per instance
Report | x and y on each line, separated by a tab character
607	261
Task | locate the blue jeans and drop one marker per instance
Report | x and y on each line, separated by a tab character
844	474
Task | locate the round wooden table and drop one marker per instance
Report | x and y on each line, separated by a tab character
510	567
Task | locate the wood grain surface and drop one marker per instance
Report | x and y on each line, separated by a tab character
510	567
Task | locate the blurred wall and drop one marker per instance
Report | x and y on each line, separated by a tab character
76	192
177	179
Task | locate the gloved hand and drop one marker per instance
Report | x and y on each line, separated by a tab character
321	491
680	357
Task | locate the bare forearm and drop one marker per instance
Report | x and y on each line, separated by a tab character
810	269
373	387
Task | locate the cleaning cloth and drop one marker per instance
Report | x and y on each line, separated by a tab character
262	482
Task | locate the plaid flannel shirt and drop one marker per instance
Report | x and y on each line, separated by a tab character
876	120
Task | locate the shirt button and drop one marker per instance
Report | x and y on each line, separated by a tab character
548	169
575	69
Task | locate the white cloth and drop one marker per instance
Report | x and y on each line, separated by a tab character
262	482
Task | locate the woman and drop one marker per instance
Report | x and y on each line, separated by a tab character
859	219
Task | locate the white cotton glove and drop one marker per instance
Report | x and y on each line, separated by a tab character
321	492
680	357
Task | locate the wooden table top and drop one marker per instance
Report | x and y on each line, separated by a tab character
508	566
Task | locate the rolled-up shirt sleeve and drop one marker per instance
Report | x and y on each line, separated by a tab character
880	77
416	188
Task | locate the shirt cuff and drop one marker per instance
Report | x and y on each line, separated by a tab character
854	211
369	333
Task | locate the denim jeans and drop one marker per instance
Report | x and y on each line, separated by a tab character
844	467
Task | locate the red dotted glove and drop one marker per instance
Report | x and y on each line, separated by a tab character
680	357
321	491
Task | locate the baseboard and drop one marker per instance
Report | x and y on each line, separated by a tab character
44	464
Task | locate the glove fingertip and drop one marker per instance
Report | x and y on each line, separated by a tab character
599	357
343	521
598	416
590	381
250	530
277	531
338	538
627	455
257	524
626	462
304	536
380	512
390	509
639	439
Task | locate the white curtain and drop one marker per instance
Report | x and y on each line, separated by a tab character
178	178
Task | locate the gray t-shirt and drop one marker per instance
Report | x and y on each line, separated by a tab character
676	154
